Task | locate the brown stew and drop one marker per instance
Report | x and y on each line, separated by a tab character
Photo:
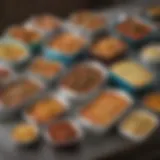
82	79
62	132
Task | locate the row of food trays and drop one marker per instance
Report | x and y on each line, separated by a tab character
98	117
58	45
99	107
66	40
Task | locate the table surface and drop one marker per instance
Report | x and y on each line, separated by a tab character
90	148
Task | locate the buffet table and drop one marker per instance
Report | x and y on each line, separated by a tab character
97	147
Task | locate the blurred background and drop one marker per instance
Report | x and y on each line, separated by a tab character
15	11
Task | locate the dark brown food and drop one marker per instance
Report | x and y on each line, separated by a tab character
82	79
62	132
18	93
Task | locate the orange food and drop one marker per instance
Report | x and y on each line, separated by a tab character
46	22
154	11
67	43
24	34
108	48
152	101
81	16
88	20
105	108
134	29
46	110
45	68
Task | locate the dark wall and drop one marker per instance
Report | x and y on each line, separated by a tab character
15	11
